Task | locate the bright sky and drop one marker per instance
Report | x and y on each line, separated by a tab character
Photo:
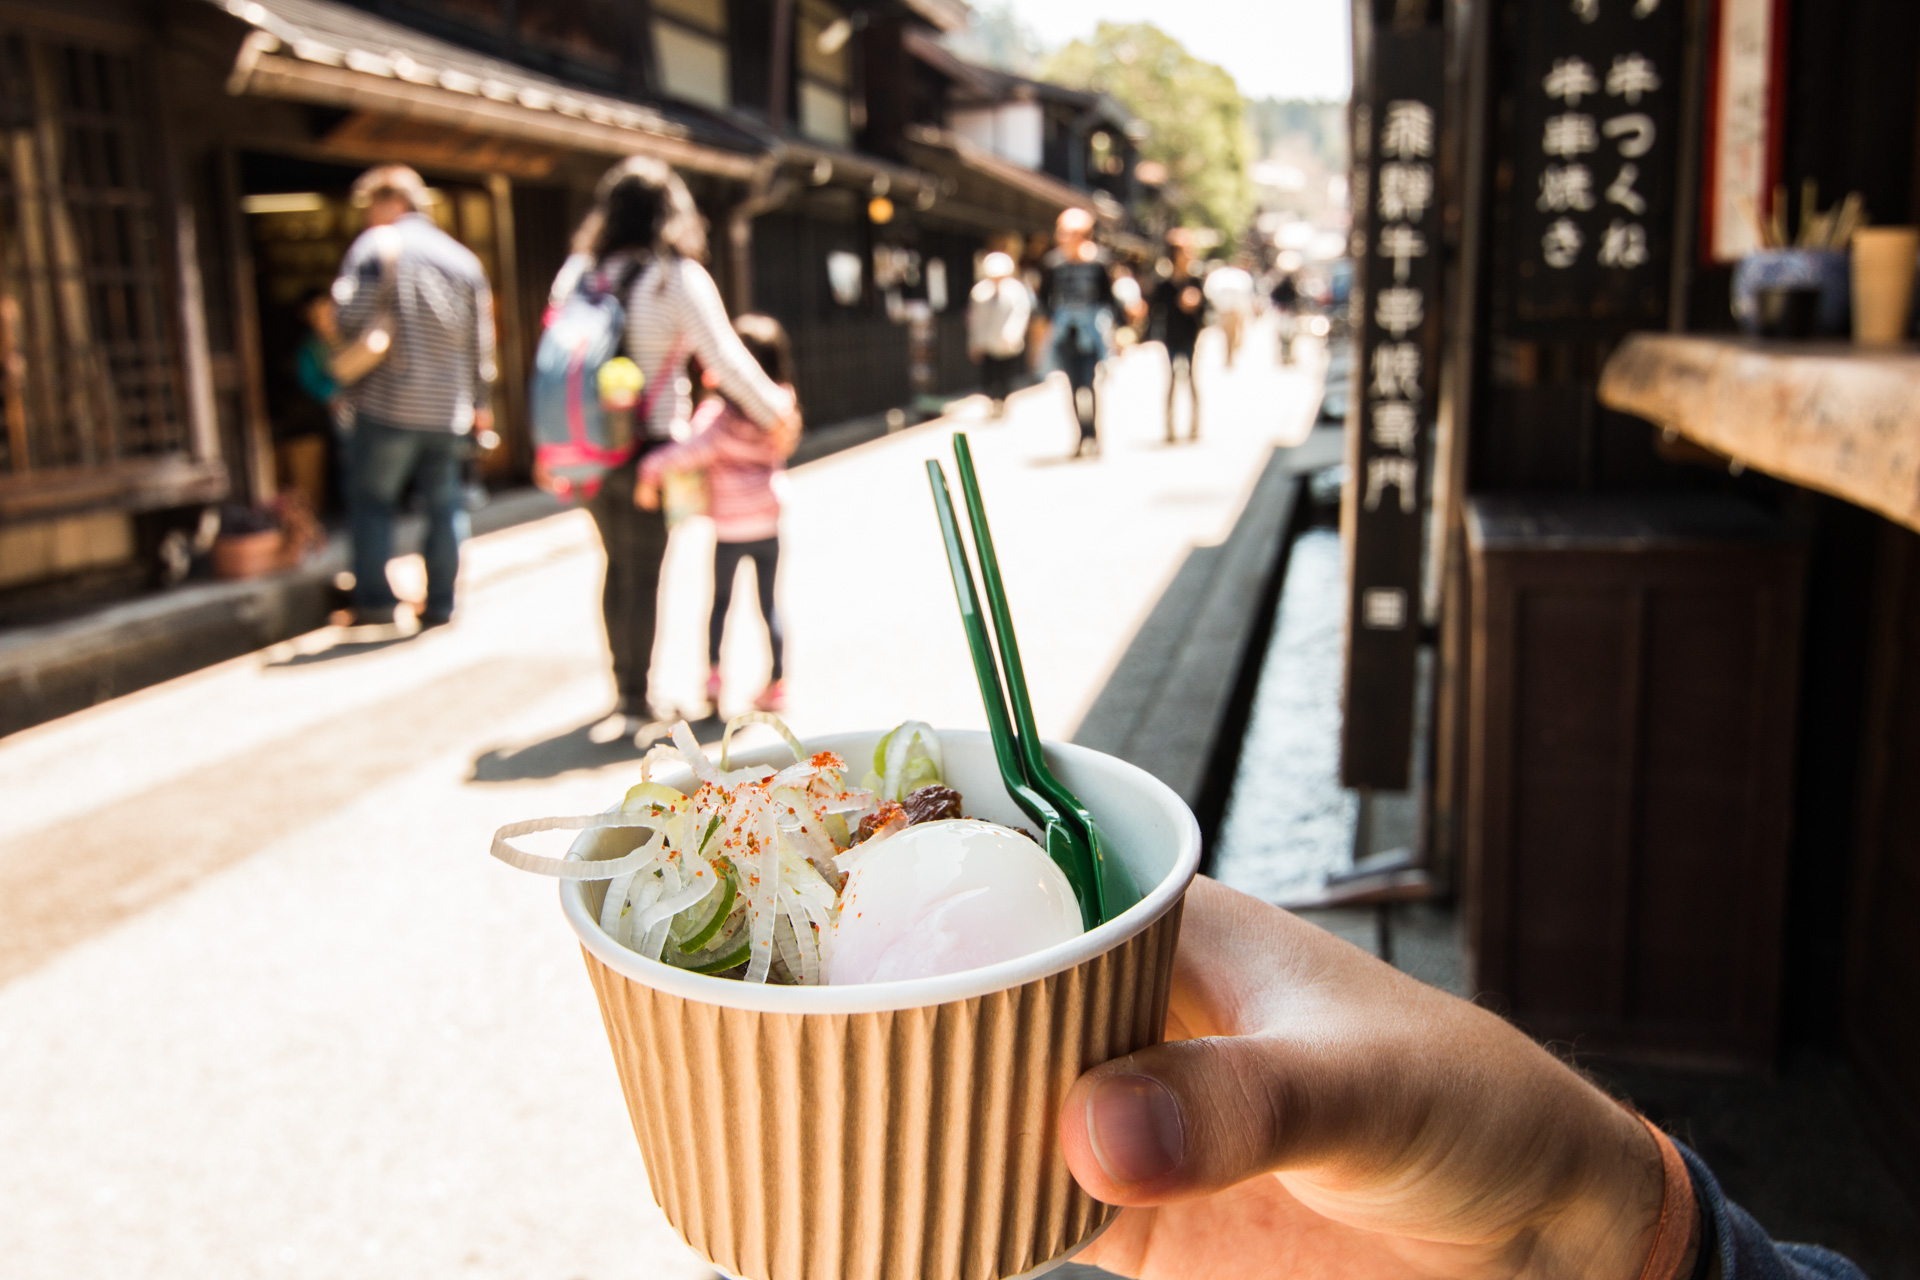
1277	48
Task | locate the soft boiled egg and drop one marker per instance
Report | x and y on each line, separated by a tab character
944	896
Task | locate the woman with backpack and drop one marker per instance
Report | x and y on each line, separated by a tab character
645	242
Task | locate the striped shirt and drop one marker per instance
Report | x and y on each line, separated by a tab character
674	311
740	461
441	365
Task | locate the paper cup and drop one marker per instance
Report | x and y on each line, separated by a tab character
900	1129
1883	262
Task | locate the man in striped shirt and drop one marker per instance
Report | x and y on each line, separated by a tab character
416	412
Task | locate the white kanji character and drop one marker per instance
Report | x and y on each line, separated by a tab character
1388	472
1400	243
1399	310
1570	80
1634	132
1405	191
1407	133
1569	134
1383	608
1395	424
1622	192
1560	246
1564	187
1645	8
1624	245
1396	370
1631	76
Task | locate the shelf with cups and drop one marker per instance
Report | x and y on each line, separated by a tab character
1832	416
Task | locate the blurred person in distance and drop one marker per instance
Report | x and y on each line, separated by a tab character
1176	310
1230	289
1286	303
1316	1112
742	465
644	228
417	409
999	310
1077	290
313	369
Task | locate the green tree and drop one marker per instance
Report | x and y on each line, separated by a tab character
1193	110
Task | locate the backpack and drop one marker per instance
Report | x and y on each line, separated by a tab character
576	440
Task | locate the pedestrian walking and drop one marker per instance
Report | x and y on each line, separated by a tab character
1176	311
1077	286
740	461
416	320
645	241
998	313
1286	305
1230	290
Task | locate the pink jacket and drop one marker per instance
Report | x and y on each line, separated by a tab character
740	461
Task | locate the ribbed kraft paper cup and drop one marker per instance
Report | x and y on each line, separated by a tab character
901	1130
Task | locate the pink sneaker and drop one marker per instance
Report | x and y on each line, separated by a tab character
713	688
772	698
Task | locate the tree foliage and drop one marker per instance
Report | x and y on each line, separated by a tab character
1192	108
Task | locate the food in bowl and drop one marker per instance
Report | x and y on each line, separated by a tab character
793	876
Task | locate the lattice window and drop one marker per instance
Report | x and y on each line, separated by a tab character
88	376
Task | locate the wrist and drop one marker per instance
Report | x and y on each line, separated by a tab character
1609	1222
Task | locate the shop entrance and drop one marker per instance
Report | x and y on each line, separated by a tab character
300	219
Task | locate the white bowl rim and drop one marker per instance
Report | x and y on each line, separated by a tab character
886	997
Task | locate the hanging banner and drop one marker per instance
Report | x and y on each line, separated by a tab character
1598	109
1396	307
1744	103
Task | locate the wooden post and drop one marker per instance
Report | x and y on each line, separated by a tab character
196	361
260	484
510	388
780	62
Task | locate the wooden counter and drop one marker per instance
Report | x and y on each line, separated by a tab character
1829	416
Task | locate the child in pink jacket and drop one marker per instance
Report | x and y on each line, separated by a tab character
740	459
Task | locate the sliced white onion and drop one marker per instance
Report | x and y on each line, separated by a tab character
690	751
616	899
575	869
897	748
759	717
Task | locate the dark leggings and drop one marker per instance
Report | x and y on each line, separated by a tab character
727	556
635	542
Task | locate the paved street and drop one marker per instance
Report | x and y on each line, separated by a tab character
267	1009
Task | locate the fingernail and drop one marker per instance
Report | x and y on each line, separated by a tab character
1134	1125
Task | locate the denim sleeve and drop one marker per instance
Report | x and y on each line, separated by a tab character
1746	1251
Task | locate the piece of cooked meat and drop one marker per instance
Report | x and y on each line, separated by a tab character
931	804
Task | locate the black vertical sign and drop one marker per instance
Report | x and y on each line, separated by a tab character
1396	304
1597	108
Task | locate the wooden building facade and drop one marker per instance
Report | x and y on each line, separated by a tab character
1662	573
175	183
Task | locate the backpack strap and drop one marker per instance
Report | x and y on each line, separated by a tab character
643	412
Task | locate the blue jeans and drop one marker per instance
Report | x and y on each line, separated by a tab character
384	459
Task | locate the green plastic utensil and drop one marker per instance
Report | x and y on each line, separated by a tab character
1066	845
1113	885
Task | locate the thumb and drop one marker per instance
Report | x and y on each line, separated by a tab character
1193	1117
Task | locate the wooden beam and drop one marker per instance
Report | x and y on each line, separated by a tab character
146	485
1827	416
274	75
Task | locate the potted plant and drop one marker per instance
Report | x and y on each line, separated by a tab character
261	539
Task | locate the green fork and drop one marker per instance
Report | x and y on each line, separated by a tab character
1102	885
